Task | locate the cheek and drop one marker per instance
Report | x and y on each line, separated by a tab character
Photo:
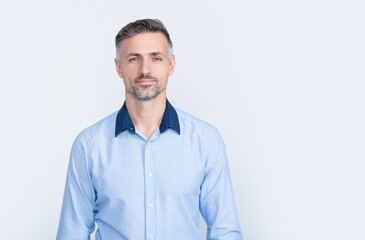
129	71
165	71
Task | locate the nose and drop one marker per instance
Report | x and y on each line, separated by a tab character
144	67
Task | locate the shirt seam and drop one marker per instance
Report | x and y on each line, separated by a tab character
89	162
208	150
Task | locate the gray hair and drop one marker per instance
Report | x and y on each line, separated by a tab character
141	26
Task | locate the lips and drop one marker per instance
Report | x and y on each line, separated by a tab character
145	81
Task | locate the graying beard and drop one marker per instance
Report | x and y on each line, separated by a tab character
144	98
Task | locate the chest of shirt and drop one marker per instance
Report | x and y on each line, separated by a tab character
128	168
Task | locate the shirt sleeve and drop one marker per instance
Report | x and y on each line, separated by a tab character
217	204
78	208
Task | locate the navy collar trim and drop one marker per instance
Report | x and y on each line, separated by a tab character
169	120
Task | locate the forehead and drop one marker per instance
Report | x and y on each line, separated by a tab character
145	43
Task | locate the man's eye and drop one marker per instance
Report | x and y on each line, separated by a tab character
157	59
133	59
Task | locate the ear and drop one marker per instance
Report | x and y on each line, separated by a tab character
118	68
172	65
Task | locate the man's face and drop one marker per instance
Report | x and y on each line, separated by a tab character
144	65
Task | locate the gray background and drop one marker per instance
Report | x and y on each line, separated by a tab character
283	81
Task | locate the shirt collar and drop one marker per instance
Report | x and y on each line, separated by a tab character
169	120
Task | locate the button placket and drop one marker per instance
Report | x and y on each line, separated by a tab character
150	192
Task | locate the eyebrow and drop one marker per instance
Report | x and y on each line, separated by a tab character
138	54
155	53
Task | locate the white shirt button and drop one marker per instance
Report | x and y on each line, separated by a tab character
151	205
150	174
151	237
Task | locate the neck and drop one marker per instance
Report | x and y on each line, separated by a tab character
146	115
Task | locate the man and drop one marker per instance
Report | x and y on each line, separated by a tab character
146	171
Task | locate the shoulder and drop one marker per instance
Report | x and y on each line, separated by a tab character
204	136
192	125
101	129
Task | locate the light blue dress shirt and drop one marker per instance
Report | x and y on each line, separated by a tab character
140	189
